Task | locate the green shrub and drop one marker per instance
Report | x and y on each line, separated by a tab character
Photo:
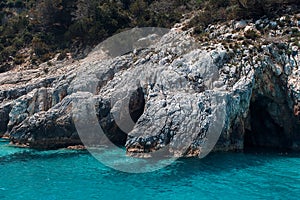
221	10
8	51
1	47
39	47
19	4
27	37
18	43
54	25
10	4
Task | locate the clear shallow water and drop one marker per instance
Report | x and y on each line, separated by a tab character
65	174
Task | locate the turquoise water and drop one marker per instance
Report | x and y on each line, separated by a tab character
65	174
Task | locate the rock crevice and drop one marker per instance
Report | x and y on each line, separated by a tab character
178	95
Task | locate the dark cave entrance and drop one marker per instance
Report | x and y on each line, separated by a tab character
136	109
265	131
137	104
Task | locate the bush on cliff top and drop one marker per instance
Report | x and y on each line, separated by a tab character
222	10
49	26
58	25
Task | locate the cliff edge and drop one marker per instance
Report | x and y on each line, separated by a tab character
241	79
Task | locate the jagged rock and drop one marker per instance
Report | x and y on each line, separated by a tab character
177	95
4	116
240	24
273	24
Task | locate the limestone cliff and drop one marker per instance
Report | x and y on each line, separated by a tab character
243	77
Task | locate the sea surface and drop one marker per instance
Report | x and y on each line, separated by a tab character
67	174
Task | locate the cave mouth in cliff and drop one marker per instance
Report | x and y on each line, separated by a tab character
136	109
265	132
137	104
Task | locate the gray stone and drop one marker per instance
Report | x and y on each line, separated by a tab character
240	24
179	95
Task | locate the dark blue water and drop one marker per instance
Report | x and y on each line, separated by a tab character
65	174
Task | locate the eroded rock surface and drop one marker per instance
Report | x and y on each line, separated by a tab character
179	95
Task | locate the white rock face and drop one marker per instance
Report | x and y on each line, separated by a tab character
182	96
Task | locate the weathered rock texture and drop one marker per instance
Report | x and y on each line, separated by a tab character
178	92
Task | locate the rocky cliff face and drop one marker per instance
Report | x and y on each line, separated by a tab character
237	83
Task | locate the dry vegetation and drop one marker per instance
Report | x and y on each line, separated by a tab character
34	31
